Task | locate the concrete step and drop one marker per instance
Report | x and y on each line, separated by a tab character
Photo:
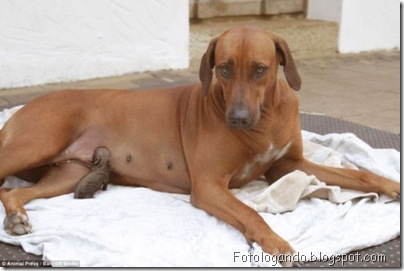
306	38
202	9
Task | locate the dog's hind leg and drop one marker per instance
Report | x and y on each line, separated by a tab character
59	180
31	139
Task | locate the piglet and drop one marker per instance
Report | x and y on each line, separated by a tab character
97	178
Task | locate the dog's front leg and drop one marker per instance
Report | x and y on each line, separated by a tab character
351	179
359	180
216	199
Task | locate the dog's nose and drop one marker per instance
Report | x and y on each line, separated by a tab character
239	119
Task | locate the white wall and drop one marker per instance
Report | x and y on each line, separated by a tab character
43	41
364	25
369	25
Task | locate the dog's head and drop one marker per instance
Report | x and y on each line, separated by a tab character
245	61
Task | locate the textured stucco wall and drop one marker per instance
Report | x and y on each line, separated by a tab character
44	41
364	25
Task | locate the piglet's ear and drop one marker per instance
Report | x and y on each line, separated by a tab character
207	65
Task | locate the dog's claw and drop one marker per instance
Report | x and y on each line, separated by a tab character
16	224
397	198
297	264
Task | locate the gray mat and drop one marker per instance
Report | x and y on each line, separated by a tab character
374	137
385	255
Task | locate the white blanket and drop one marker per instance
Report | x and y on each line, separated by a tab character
127	226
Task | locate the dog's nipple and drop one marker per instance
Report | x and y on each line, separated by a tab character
170	165
128	158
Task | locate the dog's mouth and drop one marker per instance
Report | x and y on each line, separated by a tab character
239	124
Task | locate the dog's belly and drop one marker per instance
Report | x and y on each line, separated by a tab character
162	168
156	162
163	185
144	140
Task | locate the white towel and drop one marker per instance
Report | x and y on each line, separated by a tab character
128	226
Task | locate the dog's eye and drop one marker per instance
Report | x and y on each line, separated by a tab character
260	71
225	71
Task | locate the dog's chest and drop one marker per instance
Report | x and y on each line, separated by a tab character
261	161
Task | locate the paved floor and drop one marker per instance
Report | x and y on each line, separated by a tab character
362	88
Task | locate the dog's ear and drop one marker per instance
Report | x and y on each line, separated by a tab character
286	60
207	64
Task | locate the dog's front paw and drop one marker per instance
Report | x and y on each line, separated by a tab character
283	252
392	189
17	224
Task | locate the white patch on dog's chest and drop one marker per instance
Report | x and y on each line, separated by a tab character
271	154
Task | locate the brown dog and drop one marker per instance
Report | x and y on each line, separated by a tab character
201	139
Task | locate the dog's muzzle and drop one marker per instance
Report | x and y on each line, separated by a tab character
239	119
